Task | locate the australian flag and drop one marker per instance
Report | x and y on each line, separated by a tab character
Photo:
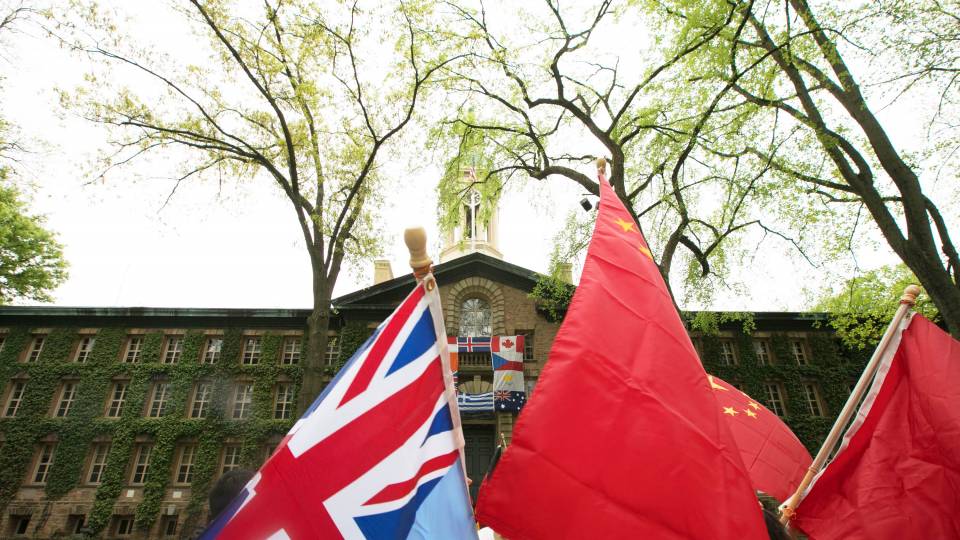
377	455
509	393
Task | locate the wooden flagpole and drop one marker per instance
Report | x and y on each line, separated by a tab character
907	301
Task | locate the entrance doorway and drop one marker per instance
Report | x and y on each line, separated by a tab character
480	444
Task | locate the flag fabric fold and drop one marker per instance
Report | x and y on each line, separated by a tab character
377	455
775	458
897	472
624	438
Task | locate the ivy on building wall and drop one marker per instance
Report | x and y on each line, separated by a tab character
86	424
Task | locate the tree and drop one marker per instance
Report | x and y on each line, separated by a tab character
861	311
296	94
31	260
539	99
803	110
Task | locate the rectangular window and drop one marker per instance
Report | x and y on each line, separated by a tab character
333	350
762	351
251	351
68	393
172	351
19	525
17	388
774	400
117	397
36	347
231	458
291	351
728	355
211	353
84	348
527	344
98	463
123	525
812	396
44	462
201	400
134	346
242	401
142	464
158	403
799	352
75	523
283	404
185	464
169	526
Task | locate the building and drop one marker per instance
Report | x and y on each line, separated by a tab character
119	420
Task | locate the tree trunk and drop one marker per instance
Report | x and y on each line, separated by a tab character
318	323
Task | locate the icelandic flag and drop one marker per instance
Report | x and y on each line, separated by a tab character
378	455
474	344
508	390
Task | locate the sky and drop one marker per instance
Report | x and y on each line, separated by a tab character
240	246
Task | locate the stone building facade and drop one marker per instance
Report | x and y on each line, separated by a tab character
118	421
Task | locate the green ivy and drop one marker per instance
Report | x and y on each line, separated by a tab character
352	336
86	423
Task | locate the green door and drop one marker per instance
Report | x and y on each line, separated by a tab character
479	451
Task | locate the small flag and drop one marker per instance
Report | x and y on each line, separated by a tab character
377	455
509	393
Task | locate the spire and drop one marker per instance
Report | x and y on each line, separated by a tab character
477	229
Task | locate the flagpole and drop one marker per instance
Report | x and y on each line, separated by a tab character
422	265
907	301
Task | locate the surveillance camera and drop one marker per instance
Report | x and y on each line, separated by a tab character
585	203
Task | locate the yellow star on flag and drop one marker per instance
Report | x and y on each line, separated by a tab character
645	251
730	410
714	385
627	225
754	405
750	413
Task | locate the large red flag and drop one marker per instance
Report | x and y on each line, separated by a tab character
623	438
774	457
897	474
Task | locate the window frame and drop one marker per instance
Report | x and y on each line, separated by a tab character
734	360
172	349
181	456
332	353
11	390
62	398
813	400
205	403
288	406
211	355
757	342
804	352
528	341
95	466
226	453
246	405
40	462
484	331
132	354
769	402
135	470
112	399
85	344
291	356
164	402
32	354
252	350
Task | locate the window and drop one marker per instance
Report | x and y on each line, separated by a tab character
142	464
14	398
201	400
84	348
123	525
168	526
242	401
251	351
728	355
761	348
283	404
134	346
774	400
98	463
231	458
527	344
75	523
333	350
68	393
19	525
291	350
173	349
185	464
117	397
799	352
211	353
475	318
36	347
812	397
44	462
158	403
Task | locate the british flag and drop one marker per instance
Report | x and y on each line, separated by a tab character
377	455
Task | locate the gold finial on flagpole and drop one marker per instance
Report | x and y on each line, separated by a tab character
910	294
420	262
601	165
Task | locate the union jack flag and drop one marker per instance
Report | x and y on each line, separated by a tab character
377	455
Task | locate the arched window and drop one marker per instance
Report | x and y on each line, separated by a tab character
475	318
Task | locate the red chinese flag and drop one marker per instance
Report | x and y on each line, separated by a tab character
774	457
623	437
897	474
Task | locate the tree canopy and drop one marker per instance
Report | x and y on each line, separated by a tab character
31	259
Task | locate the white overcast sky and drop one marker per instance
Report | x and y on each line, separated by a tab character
242	247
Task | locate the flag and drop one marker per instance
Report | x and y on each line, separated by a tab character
897	473
509	393
475	402
625	438
377	455
453	353
774	457
474	344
